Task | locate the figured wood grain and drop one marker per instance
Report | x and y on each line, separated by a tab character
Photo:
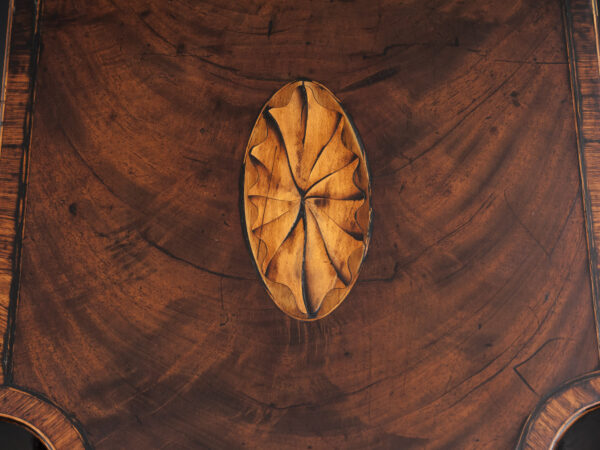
140	311
306	200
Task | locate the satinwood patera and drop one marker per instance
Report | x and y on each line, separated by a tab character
306	197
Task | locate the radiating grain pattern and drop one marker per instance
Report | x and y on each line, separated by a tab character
140	310
16	129
306	200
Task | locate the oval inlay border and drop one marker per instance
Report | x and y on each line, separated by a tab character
306	200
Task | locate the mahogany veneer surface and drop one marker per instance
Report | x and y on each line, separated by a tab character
140	311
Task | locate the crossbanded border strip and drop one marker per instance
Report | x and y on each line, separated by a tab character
581	25
14	159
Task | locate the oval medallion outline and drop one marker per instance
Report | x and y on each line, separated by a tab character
306	200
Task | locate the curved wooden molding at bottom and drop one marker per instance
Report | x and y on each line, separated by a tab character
558	411
47	421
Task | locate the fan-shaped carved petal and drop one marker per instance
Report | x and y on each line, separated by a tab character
339	244
286	267
342	212
333	157
274	177
272	209
273	228
321	276
307	134
338	185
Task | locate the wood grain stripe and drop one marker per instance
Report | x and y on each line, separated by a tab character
14	157
585	82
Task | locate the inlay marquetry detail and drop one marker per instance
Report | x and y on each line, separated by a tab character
306	200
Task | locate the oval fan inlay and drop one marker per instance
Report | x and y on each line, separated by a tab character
306	194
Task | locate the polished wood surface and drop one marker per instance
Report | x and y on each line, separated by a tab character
140	311
306	200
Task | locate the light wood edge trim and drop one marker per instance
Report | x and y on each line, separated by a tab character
558	411
43	418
